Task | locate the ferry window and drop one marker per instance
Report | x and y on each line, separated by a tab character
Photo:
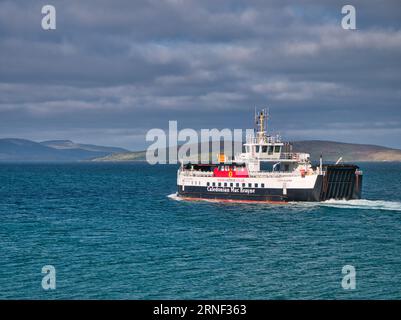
250	185
270	151
231	184
219	184
214	184
257	149
243	184
262	185
264	149
225	184
207	184
237	184
277	149
256	185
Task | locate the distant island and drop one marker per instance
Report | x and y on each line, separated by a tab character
20	150
330	150
55	150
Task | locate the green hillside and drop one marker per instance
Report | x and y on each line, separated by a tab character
330	150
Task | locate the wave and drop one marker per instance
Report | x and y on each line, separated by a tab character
363	204
174	196
341	204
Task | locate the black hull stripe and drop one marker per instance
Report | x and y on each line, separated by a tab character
338	183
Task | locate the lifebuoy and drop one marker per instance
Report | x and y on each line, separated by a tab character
230	174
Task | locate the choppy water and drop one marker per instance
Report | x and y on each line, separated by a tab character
115	231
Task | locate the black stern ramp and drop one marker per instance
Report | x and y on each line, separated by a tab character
341	181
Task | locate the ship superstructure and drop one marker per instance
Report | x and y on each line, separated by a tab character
267	170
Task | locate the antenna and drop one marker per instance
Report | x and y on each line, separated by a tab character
256	120
261	121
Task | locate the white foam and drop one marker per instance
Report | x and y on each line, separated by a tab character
363	204
174	196
341	204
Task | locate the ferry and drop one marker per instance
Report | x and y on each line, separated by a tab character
268	171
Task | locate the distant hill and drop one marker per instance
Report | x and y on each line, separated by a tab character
330	150
66	150
350	152
68	144
60	150
124	156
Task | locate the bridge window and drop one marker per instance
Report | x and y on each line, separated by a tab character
264	149
270	151
277	149
257	149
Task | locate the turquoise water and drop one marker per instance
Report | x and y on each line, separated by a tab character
112	232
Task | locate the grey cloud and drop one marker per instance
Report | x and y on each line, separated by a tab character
114	67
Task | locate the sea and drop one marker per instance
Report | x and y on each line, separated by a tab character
117	231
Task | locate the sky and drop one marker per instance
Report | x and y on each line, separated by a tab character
112	70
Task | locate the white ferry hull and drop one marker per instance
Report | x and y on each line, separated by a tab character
339	182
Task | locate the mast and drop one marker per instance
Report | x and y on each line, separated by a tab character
261	124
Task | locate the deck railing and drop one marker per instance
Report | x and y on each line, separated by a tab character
267	139
260	174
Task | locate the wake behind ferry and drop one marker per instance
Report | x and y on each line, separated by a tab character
268	171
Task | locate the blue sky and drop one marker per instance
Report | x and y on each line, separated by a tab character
112	70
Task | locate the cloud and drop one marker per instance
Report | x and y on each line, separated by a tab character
114	67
